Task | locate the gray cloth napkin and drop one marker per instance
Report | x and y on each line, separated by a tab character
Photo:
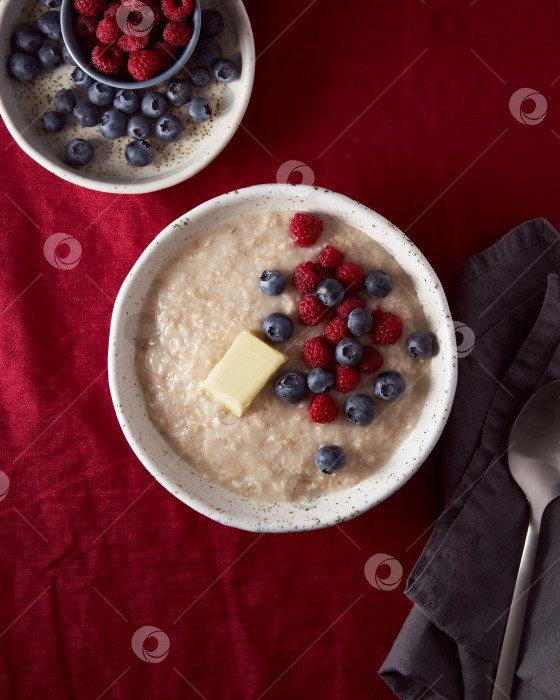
462	585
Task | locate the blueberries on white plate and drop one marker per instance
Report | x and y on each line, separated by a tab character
139	153
330	292
86	114
359	322
272	282
207	51
100	94
320	380
291	387
54	122
199	109
65	101
378	284
389	385
154	104
349	352
27	39
212	23
79	152
49	24
278	327
66	57
420	346
50	56
24	67
112	124
330	459
360	409
178	92
81	79
169	128
200	76
127	101
139	127
225	71
51	4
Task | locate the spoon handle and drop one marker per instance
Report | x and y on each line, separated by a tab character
510	646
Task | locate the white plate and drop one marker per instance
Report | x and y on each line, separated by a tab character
186	483
23	104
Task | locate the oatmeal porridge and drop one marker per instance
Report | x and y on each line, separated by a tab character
209	295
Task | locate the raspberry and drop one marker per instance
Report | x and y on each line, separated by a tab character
330	258
323	409
337	329
143	65
177	9
89	8
351	276
345	378
110	12
85	27
305	229
316	352
352	301
307	276
311	311
108	31
107	58
166	53
387	328
372	359
133	4
131	44
177	33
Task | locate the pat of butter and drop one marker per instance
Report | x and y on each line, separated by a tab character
242	372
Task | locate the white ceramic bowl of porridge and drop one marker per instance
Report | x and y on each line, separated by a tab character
257	473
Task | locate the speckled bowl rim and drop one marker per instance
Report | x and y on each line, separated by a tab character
157	182
151	448
66	24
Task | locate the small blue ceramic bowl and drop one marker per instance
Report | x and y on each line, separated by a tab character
76	50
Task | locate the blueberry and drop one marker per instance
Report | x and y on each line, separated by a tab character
86	114
348	352
54	122
169	128
154	104
207	51
50	56
127	101
388	386
79	152
320	380
66	57
212	22
291	387
81	79
359	322
139	127
420	345
199	109
278	327
49	24
24	67
51	4
378	284
101	95
273	282
330	459
225	71
27	39
330	292
139	153
112	124
65	101
360	409
200	76
178	92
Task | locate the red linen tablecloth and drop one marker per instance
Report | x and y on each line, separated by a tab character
403	105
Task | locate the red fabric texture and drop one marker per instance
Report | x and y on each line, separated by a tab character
91	548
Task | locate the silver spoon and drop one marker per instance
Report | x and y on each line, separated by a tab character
534	463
